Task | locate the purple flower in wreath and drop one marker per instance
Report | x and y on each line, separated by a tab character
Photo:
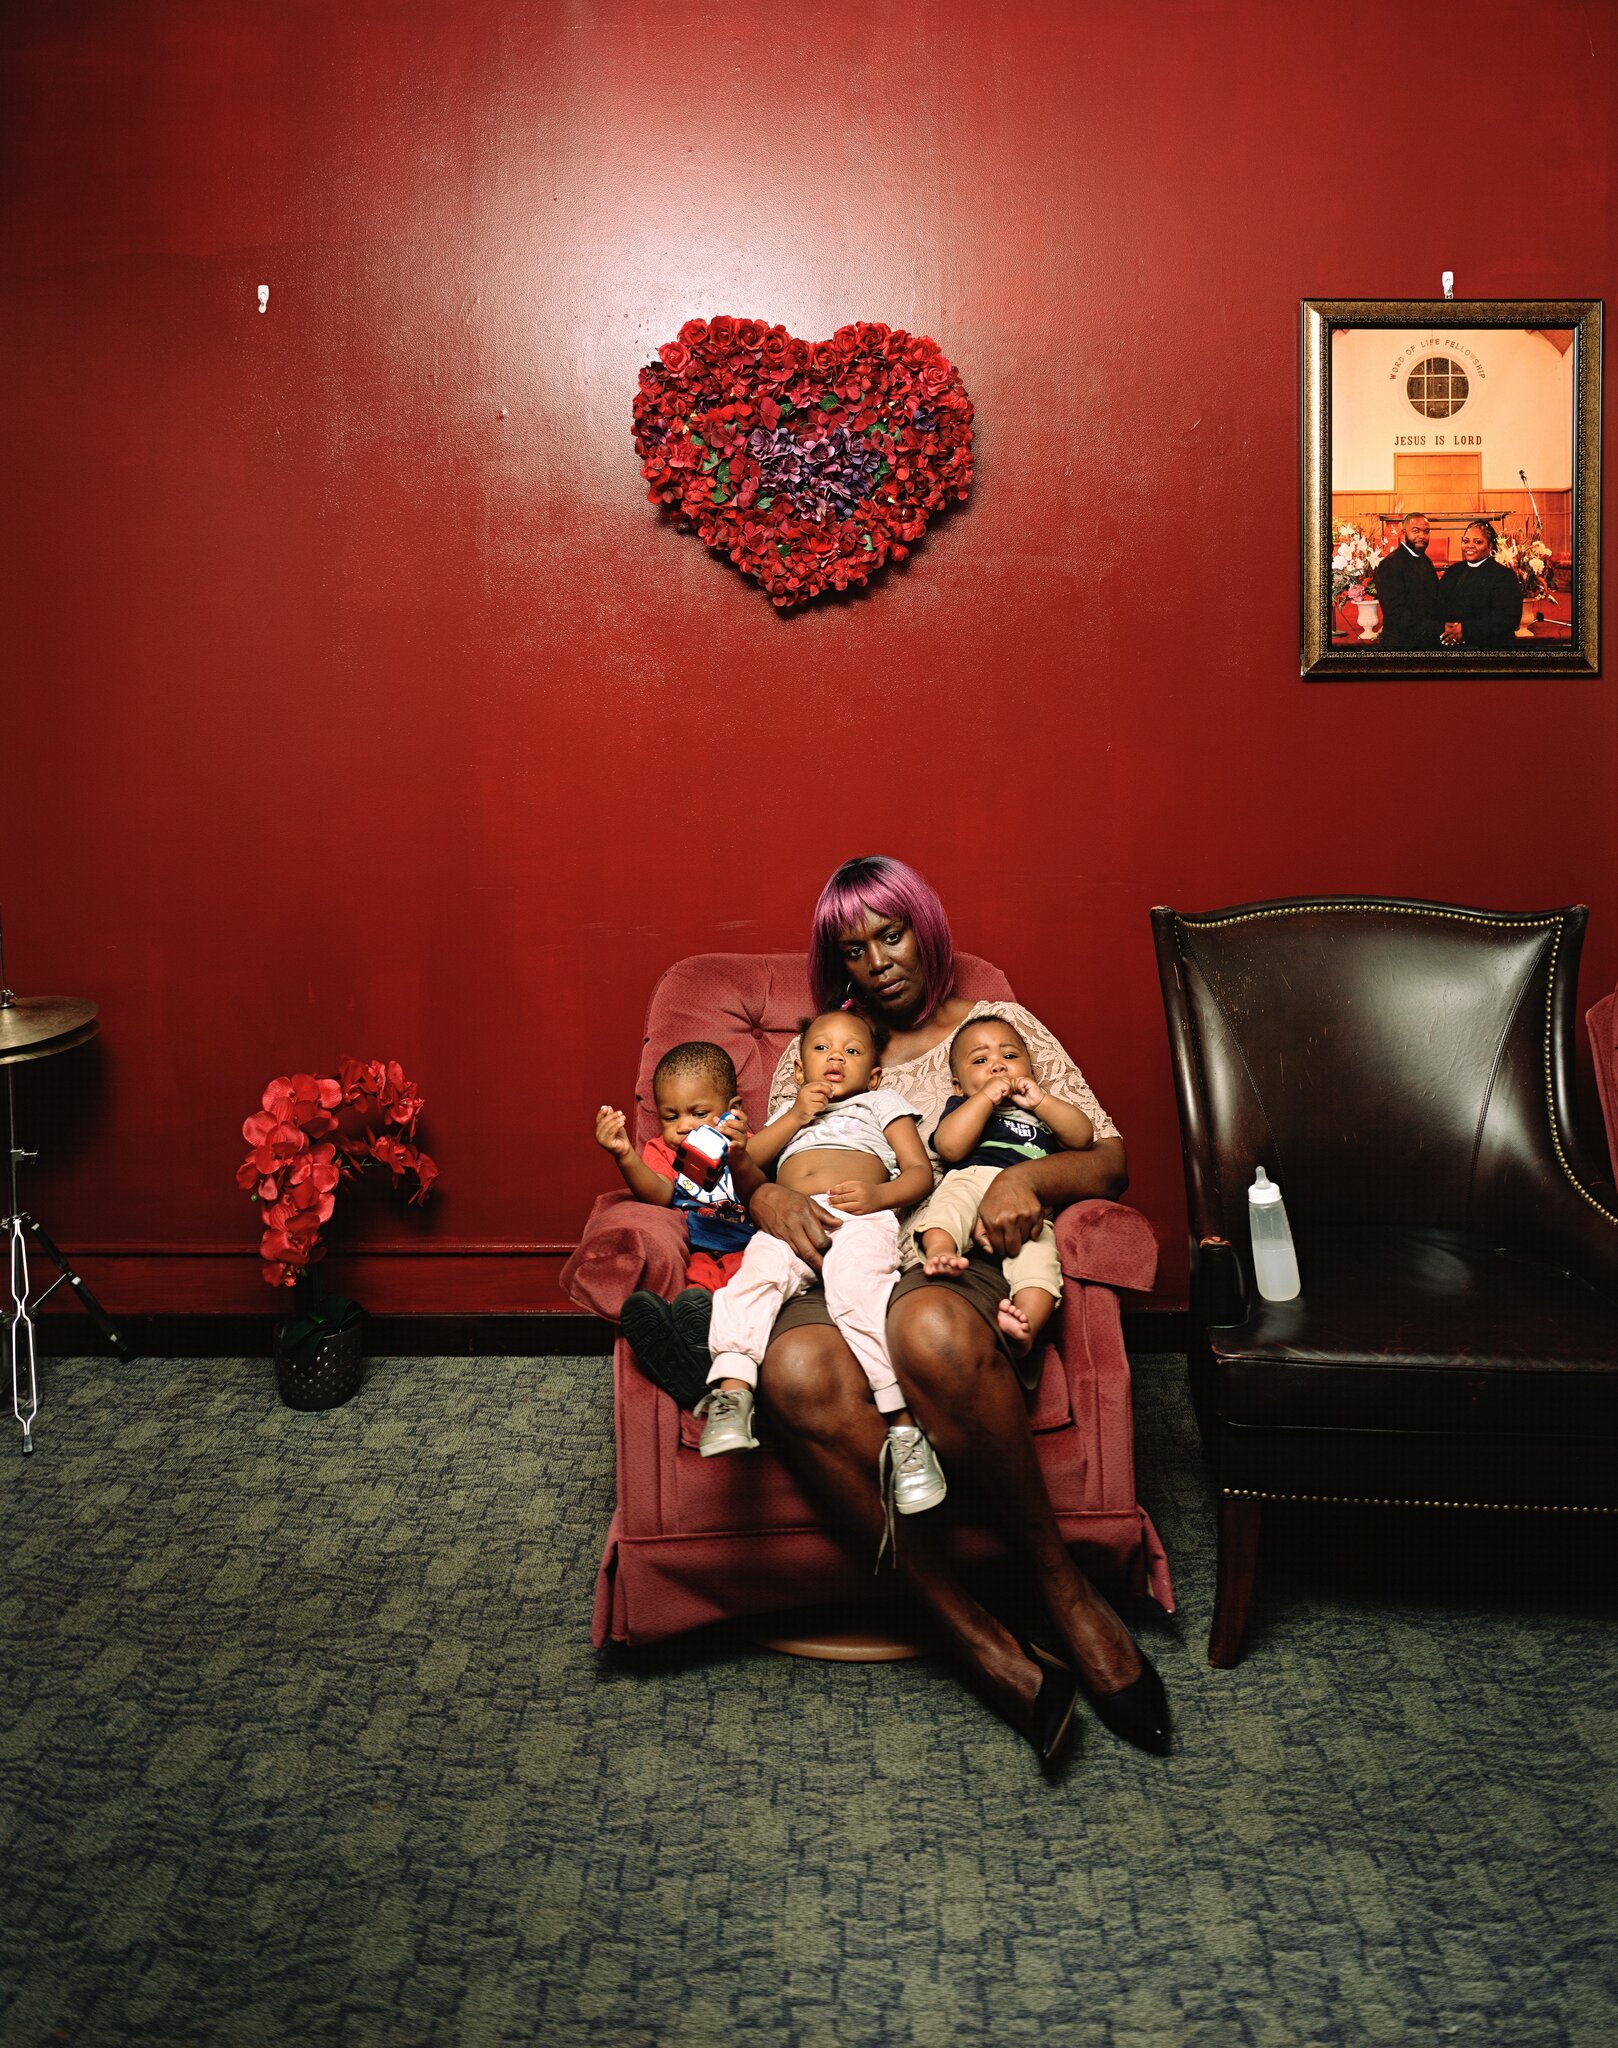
824	476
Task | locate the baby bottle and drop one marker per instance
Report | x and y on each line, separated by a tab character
1275	1263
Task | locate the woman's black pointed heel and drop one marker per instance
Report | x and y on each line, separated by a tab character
1136	1713
1050	1727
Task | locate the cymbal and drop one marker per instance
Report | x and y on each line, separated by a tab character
34	1027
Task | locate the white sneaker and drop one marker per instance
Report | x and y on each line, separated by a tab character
729	1424
910	1470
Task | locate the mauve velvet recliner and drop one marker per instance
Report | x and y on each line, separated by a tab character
696	1540
1601	1020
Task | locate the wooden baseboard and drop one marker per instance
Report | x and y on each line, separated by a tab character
547	1334
192	1280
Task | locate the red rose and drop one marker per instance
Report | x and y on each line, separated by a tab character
778	360
675	357
693	332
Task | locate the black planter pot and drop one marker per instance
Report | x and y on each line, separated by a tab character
319	1359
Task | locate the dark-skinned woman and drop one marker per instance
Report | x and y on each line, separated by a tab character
1479	599
880	944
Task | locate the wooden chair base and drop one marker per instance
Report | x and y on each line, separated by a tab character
843	1635
1239	1526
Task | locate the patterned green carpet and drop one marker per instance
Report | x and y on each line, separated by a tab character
302	1740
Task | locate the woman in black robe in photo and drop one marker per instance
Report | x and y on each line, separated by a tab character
1480	600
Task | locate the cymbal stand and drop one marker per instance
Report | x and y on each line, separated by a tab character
19	1321
20	1324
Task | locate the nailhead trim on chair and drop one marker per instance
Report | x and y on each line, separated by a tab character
1372	1500
1377	903
1463	917
1550	1097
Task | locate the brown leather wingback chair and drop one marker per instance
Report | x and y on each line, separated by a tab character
1404	1071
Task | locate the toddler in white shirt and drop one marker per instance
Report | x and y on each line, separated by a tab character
854	1148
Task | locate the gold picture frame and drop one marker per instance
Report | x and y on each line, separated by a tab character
1457	404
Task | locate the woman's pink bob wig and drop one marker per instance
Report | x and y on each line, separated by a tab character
875	886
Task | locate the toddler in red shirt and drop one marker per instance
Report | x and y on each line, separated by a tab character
694	1088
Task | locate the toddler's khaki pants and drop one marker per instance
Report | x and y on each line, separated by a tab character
953	1206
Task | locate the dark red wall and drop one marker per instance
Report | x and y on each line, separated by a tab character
357	702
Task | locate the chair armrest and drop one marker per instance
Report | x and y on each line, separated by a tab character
1219	1291
1108	1243
1103	1246
625	1244
1579	1231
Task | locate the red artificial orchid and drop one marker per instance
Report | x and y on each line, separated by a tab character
311	1131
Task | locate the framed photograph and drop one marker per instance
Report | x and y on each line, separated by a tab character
1451	487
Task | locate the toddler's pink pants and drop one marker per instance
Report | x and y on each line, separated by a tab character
860	1268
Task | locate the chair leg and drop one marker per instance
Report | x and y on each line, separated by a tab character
1203	1375
1239	1522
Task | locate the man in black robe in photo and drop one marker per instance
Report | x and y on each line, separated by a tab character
1407	590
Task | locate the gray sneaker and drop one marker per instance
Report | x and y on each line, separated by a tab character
910	1468
729	1424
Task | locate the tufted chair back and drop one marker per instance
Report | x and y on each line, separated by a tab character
753	1004
1387	1062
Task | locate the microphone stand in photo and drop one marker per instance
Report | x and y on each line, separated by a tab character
1539	527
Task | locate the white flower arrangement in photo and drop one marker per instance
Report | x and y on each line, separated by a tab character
1353	563
1530	561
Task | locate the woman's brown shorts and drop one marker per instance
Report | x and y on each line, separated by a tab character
983	1285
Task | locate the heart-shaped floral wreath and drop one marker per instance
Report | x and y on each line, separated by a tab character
809	463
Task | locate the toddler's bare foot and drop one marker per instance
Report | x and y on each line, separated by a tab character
1014	1328
938	1253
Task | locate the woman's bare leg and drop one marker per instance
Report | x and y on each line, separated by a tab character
970	1405
832	1435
